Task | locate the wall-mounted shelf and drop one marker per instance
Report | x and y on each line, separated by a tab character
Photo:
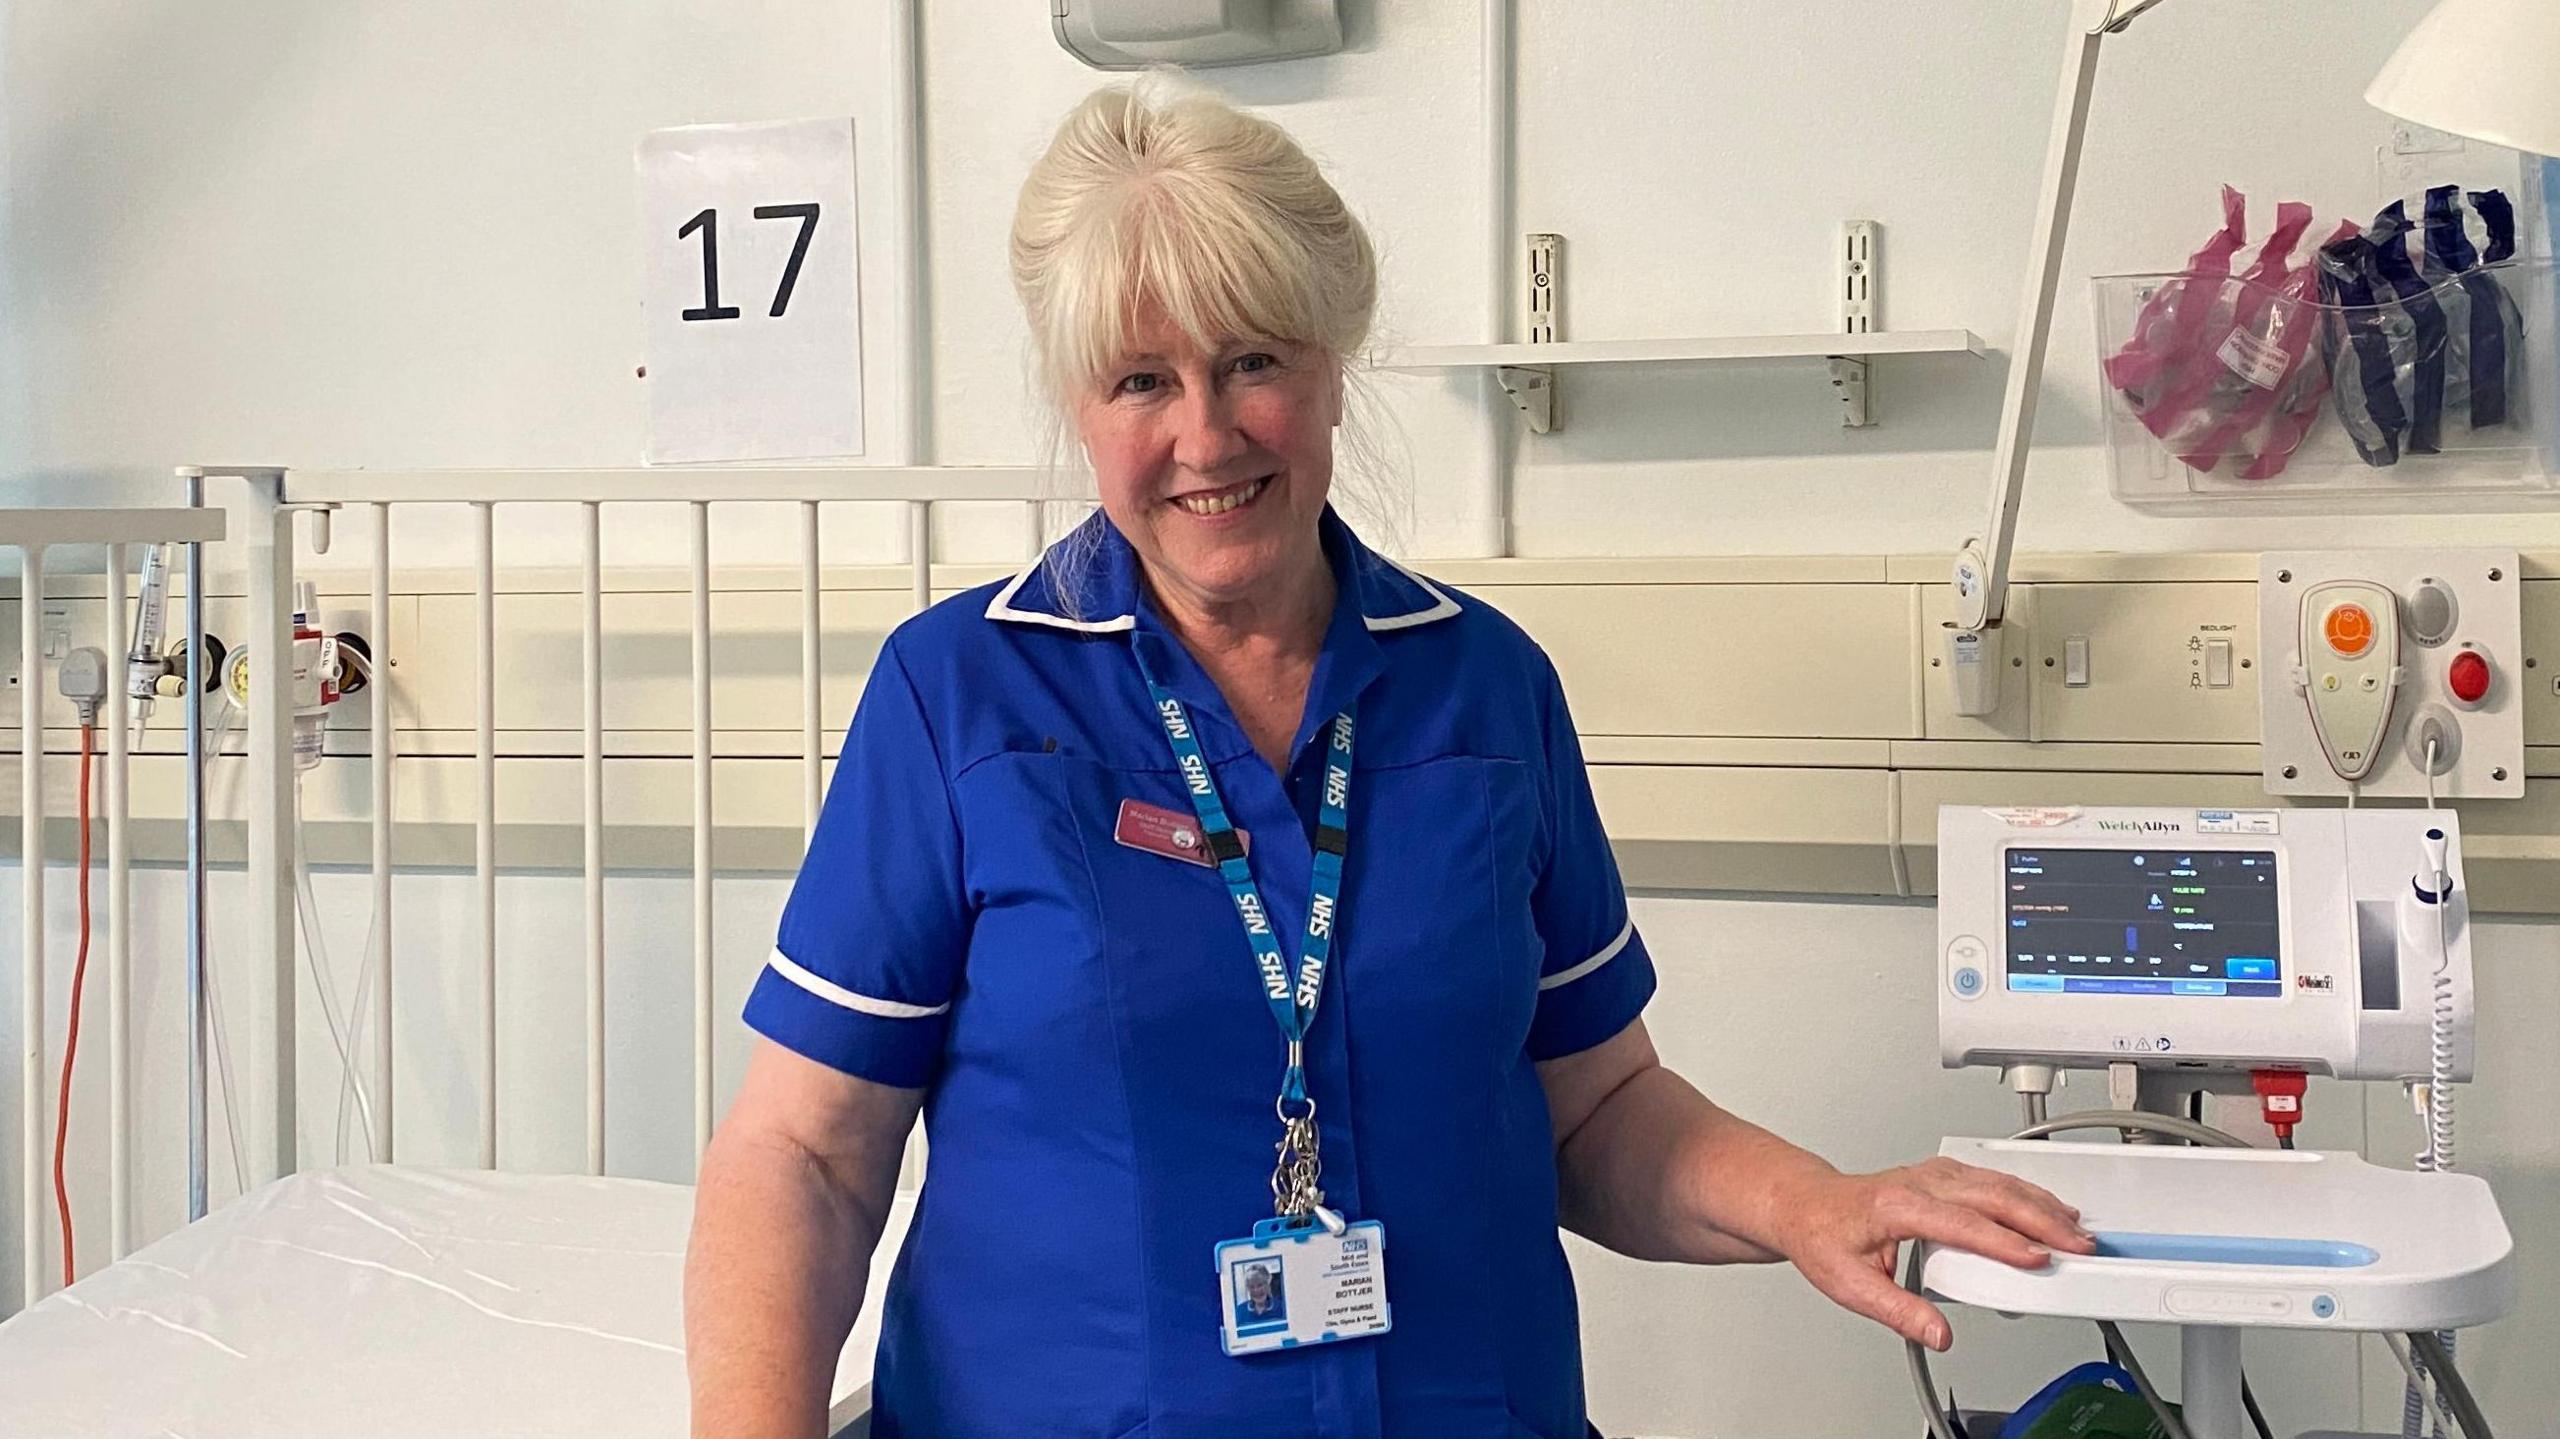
1816	346
1527	372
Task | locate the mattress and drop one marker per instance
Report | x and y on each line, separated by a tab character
393	1303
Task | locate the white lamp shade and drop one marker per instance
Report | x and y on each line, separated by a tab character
2486	69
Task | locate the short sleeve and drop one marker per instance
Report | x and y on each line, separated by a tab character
877	927
1596	977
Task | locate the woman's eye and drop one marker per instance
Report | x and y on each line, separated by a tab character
1137	384
1256	363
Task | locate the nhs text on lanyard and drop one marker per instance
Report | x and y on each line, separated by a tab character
1332	1276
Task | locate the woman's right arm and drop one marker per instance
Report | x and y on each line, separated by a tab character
791	1199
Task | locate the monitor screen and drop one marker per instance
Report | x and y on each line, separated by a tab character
2144	921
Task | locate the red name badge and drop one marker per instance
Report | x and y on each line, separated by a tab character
1168	833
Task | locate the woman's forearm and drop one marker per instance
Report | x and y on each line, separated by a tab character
1658	1171
773	1282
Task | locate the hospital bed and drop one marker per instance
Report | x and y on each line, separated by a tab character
393	1302
379	1299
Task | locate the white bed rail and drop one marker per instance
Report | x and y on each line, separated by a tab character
33	533
275	496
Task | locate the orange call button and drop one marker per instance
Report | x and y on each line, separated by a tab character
2349	629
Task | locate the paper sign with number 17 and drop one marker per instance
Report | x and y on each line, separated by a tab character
749	292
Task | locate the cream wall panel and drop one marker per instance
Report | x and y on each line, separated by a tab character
2539	670
1826	661
648	658
2146	662
1687	827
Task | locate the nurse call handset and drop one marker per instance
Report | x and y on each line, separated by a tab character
2206	941
2348	670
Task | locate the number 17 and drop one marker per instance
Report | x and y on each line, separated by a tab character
708	223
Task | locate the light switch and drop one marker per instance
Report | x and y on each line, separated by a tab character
2217	664
2075	662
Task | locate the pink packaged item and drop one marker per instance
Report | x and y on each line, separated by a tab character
2291	408
2223	366
2166	333
2194	418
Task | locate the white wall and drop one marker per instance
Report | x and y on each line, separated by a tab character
400	234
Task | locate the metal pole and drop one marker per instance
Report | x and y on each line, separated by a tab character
271	779
31	956
2209	1383
485	833
702	857
812	741
193	707
119	926
920	550
591	770
385	746
1496	103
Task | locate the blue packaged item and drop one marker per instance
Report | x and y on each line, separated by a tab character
2499	219
2475	330
2359	352
2388	253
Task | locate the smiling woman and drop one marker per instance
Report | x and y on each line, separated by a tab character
1067	797
1197	294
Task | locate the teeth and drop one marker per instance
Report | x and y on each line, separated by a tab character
1205	505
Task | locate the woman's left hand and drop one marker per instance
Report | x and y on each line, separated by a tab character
1843	1232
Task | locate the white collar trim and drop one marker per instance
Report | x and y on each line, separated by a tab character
1442	606
1002	608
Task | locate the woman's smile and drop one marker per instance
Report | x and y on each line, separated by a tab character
1226	500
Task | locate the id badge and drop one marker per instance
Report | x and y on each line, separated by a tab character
1292	1286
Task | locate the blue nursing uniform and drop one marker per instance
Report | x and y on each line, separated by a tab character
1098	1057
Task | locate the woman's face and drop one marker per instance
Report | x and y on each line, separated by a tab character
1215	464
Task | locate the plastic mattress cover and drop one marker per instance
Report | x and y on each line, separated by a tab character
388	1302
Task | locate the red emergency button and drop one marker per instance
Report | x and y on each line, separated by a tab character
2468	677
2349	629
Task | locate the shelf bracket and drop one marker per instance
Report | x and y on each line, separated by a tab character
1533	389
1860	279
1849	377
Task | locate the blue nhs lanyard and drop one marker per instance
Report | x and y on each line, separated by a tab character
1292	1005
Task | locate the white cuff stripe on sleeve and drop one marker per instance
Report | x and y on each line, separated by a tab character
1564	977
838	995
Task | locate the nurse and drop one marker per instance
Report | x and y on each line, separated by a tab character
1231	902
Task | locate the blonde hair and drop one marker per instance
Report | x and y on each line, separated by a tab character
1159	192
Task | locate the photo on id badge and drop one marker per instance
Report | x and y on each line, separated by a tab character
1262	1299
